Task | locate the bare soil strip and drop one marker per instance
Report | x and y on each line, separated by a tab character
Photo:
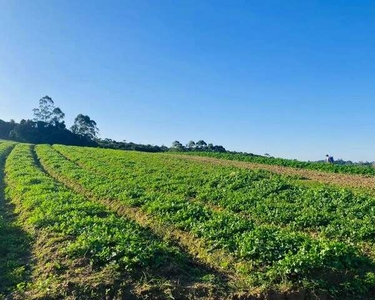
342	180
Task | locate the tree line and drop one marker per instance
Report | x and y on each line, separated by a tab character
48	127
200	145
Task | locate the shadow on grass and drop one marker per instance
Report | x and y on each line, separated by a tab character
14	246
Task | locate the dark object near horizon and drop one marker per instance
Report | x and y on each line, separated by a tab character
329	159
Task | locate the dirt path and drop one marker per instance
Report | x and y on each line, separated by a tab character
342	180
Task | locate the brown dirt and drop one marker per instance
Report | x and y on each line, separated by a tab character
342	180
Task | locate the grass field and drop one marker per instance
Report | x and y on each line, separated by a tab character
88	223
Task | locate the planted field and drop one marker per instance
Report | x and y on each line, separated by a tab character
318	166
83	250
356	181
106	223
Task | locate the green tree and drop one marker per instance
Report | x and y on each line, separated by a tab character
47	113
176	145
85	127
191	145
201	144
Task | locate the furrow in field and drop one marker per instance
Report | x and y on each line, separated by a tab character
84	251
269	255
341	180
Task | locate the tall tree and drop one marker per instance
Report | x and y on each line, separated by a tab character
201	144
191	145
47	112
177	146
85	127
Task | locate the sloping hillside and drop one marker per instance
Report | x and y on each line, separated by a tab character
98	223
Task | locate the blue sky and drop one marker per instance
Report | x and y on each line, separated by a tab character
295	79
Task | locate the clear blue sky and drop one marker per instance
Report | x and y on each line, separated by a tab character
295	79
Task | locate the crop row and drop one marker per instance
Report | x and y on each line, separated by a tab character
272	255
13	245
318	166
264	197
83	247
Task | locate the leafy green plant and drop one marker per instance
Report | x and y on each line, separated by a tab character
78	231
264	220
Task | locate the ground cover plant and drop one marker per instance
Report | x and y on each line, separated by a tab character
355	182
14	241
282	235
319	166
261	195
82	250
